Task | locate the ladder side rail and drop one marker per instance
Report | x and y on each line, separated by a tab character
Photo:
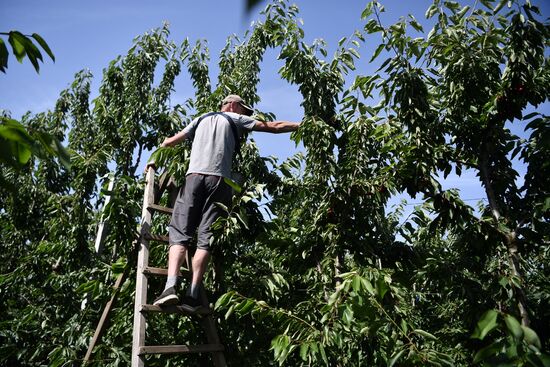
141	279
209	327
101	326
208	323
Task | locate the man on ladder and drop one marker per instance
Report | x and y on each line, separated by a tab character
216	138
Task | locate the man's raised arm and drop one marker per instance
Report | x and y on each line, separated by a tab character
168	142
276	127
173	140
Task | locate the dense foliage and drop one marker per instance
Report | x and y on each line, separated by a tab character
329	275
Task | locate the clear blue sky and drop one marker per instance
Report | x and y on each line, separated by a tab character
89	34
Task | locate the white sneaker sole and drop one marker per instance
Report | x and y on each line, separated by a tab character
169	300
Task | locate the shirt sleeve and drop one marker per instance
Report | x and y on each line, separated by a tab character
245	122
190	129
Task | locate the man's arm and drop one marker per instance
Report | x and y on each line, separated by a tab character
174	140
275	127
168	142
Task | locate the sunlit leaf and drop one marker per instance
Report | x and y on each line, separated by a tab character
486	323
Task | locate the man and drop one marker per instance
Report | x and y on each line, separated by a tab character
215	137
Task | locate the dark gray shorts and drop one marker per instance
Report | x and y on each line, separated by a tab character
196	209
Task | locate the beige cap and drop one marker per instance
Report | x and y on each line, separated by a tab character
238	99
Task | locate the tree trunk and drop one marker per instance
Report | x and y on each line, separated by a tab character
509	240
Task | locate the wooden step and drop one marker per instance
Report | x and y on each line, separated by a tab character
156	237
149	270
175	309
178	349
160	209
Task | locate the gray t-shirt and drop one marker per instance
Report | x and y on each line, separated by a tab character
214	143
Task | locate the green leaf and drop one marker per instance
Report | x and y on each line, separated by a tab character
514	326
22	154
341	41
425	334
377	51
414	23
348	62
223	300
381	287
323	354
245	307
486	323
347	315
63	154
12	130
44	45
395	358
280	345
356	284
229	311
303	351
29	49
367	11
119	266
3	56
500	6
354	52
531	115
487	352
235	186
243	221
17	144
32	50
17	47
368	286
431	11
531	337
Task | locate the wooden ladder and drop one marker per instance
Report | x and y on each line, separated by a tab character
142	308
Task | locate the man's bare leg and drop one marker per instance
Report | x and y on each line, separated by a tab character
200	262
176	256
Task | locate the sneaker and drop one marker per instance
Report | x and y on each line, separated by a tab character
168	297
191	304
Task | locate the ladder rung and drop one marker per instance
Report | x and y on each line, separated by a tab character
156	237
173	349
155	271
160	209
164	272
175	309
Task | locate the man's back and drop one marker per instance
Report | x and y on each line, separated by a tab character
214	142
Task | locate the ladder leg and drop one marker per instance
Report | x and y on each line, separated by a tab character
141	279
139	318
209	327
100	329
208	324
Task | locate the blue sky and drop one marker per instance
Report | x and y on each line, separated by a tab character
89	34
